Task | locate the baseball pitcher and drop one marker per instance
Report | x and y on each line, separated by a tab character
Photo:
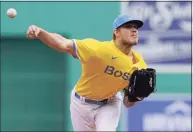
107	68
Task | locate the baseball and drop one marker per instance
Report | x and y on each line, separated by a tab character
11	12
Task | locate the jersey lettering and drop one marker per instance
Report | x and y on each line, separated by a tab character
109	70
116	73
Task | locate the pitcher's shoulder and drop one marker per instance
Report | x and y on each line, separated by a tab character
107	43
91	40
98	41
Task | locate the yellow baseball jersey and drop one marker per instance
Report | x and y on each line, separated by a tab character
105	69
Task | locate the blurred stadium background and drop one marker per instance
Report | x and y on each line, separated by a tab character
36	80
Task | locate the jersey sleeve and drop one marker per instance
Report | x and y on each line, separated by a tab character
85	48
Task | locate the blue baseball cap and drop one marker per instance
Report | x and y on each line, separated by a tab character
122	19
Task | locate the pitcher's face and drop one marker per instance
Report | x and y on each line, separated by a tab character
127	33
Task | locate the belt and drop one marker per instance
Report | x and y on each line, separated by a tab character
103	102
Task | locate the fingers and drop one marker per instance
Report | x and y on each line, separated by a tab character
35	30
31	36
32	32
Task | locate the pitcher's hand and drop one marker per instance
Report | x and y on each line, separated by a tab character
33	32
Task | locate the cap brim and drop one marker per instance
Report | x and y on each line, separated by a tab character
137	22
